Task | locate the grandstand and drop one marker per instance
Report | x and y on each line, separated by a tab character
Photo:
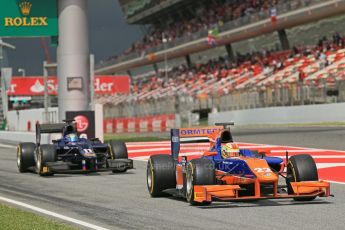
279	72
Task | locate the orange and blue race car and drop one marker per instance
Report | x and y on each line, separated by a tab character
227	173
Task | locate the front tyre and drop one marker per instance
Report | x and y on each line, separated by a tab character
118	150
25	156
45	153
161	174
199	172
301	168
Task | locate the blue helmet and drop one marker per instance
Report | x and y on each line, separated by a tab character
72	137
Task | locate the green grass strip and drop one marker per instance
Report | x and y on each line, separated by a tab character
12	218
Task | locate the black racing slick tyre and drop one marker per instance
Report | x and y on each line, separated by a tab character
199	172
301	168
25	156
118	150
161	174
45	153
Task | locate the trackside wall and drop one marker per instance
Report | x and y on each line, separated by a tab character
16	137
283	115
17	120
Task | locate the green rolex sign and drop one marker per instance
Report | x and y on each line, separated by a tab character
28	18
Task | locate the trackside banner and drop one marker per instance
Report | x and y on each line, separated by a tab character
31	86
85	121
155	123
199	132
112	84
28	18
34	86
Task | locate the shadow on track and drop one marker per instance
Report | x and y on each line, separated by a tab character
249	204
266	203
78	174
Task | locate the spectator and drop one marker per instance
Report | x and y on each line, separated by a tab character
207	16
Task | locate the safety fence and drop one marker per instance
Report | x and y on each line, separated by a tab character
246	98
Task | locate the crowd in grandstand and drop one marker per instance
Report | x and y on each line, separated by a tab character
207	16
268	66
134	7
267	62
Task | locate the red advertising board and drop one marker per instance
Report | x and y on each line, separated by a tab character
112	84
31	86
154	123
34	86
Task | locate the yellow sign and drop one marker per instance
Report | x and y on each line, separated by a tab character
34	21
25	9
29	18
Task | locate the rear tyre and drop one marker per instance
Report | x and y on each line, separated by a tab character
118	150
45	153
161	174
25	156
199	172
301	168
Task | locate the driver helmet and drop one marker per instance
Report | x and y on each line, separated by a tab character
230	150
72	137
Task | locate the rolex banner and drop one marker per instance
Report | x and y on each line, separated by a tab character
28	18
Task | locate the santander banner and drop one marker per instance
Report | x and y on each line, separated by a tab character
34	86
31	86
112	84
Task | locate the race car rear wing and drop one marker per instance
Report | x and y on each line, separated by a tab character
49	128
190	135
225	124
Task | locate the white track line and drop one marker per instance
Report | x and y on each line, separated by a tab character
329	165
320	157
143	158
148	142
7	146
167	145
163	149
53	214
148	150
299	151
294	147
241	144
335	182
318	165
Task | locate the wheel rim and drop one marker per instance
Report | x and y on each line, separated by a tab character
39	163
290	174
149	178
18	158
189	183
111	152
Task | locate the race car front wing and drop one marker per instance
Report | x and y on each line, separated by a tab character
61	167
303	189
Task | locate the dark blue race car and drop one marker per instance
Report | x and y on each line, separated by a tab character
71	153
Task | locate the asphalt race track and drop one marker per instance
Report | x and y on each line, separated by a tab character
121	200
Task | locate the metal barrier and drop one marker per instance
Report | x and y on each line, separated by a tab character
248	98
50	117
